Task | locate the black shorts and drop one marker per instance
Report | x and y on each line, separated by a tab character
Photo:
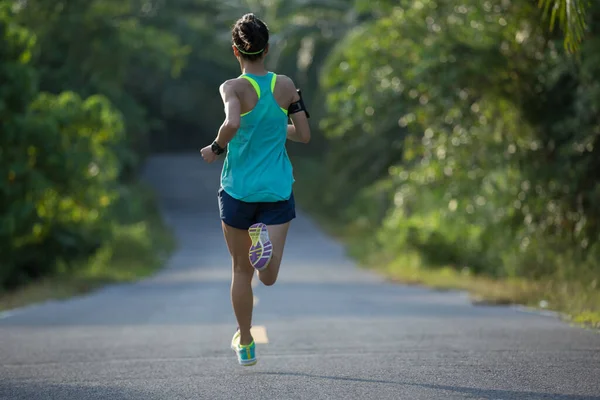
242	215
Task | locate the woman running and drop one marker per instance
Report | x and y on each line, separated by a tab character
256	201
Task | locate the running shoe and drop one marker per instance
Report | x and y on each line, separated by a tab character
246	354
261	250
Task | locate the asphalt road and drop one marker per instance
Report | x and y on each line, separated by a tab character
328	330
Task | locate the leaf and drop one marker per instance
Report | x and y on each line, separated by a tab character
571	17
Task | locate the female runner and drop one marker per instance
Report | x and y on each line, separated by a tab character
256	201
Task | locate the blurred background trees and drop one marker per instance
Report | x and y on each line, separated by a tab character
467	135
458	133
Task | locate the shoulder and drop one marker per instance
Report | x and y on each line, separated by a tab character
286	82
287	87
230	86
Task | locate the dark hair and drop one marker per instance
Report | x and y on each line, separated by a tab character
251	36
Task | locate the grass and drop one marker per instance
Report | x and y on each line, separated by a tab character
140	245
573	301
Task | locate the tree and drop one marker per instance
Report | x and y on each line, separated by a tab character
477	131
150	58
57	165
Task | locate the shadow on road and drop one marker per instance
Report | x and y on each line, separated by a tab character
491	394
33	390
29	390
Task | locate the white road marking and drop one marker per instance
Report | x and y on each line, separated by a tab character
259	333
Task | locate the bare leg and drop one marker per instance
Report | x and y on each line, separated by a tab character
239	243
277	235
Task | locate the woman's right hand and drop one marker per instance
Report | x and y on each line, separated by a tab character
208	155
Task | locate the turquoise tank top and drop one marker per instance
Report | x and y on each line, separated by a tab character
257	167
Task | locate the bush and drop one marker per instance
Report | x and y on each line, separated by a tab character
473	134
58	167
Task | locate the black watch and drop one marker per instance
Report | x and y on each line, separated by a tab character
218	150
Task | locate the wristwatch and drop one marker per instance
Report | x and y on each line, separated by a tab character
218	150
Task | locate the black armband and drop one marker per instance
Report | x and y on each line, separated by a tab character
298	106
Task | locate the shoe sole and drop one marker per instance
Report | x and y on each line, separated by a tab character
249	364
260	252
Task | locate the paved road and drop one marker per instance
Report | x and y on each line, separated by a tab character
332	331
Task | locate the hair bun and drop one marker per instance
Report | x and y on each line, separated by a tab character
250	35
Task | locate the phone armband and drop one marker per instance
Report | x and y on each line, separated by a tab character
298	106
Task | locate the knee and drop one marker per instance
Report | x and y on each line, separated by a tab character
243	269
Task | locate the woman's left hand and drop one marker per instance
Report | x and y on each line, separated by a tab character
208	155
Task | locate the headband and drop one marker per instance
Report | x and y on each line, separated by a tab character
248	53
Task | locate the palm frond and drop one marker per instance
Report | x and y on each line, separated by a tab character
571	17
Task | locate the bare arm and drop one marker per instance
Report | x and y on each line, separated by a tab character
292	135
232	114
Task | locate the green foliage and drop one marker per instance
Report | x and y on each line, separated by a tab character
456	134
464	135
59	166
86	84
138	245
150	59
571	18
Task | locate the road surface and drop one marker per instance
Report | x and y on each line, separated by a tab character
327	329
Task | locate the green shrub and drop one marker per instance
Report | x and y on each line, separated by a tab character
58	167
465	137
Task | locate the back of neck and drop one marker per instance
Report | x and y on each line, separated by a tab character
254	69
